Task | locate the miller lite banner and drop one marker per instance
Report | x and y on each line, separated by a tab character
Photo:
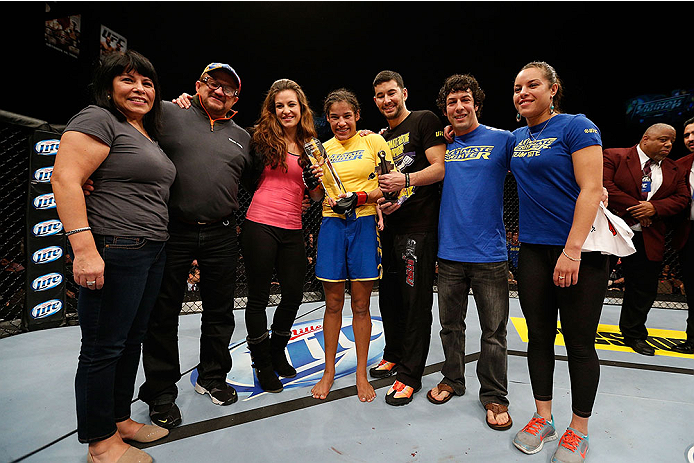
45	287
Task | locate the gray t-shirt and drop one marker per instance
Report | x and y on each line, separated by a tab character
131	186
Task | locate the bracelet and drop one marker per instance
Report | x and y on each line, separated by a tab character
77	230
569	257
407	180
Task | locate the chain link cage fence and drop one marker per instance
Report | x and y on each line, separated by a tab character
14	178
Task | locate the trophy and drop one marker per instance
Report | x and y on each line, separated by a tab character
331	180
384	167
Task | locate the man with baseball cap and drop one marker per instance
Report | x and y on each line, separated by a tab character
210	152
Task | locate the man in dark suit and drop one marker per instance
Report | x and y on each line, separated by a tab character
684	239
644	189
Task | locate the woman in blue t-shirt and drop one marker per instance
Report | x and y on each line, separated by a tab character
557	163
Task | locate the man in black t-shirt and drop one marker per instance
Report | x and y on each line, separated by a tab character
409	240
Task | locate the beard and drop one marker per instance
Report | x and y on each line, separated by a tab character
394	115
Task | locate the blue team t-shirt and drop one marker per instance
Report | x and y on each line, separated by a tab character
544	172
471	217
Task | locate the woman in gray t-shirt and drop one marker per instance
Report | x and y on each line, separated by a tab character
117	236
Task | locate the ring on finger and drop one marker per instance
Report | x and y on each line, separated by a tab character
561	277
91	283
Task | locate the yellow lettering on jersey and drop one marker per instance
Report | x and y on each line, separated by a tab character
529	148
397	146
468	153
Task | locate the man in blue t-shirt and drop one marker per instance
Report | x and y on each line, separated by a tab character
472	248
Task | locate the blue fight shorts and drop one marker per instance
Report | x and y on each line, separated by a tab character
348	250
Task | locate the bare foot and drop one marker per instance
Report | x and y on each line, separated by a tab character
322	388
365	390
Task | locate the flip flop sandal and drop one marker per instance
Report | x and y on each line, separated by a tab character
442	387
400	387
498	409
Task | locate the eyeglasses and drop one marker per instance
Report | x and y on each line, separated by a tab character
214	85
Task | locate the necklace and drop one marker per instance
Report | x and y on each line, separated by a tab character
291	146
539	134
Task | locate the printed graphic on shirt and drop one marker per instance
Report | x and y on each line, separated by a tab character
402	160
530	148
468	153
348	156
397	149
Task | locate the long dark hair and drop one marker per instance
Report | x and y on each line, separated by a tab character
115	64
268	138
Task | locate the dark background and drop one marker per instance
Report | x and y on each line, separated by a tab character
607	53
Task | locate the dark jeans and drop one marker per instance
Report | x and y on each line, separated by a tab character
579	308
687	268
266	248
489	283
216	249
113	321
405	300
640	290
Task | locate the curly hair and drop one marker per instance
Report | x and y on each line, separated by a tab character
461	83
268	140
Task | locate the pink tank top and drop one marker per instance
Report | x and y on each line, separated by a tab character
277	201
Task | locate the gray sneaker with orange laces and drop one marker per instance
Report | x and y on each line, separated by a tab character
532	437
572	448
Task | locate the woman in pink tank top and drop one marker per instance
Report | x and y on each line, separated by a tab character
272	236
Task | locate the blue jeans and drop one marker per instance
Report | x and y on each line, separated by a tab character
216	249
113	321
489	283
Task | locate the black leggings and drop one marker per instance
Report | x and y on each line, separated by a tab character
579	308
266	248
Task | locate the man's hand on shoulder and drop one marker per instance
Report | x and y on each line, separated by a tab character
183	100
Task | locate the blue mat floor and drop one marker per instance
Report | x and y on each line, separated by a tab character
643	411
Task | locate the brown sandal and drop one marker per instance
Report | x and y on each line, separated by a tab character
498	409
442	387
